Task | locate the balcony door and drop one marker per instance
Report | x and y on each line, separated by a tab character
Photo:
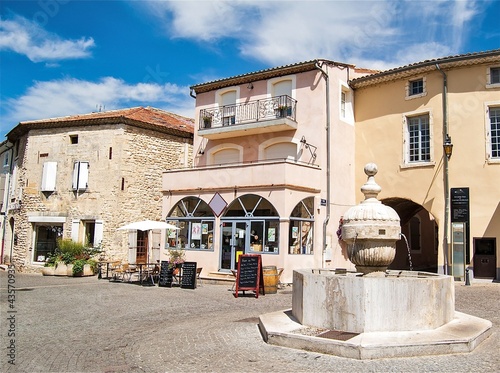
228	101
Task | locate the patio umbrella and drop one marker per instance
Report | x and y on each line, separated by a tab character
147	225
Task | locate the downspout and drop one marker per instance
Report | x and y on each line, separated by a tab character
445	173
328	186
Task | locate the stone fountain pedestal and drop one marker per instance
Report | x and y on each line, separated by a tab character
373	312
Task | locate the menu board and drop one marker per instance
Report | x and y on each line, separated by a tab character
188	275
166	275
249	275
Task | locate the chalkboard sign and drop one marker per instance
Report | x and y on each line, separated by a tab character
188	275
166	274
249	275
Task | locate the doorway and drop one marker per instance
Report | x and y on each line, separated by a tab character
484	257
233	242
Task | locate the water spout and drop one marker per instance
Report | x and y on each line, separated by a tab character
409	251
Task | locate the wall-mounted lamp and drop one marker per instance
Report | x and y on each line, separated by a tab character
311	148
250	86
303	140
448	147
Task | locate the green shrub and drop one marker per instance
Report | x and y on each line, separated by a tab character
78	266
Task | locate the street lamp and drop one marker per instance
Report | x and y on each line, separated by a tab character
448	147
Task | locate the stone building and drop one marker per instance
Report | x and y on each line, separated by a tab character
83	176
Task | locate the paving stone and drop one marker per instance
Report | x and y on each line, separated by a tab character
89	325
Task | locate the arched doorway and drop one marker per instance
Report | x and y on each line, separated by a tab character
420	249
250	225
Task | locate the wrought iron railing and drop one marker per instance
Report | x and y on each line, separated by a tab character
253	111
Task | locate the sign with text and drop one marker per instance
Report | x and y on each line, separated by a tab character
166	275
188	275
459	205
249	275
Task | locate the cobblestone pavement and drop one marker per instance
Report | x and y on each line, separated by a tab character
88	325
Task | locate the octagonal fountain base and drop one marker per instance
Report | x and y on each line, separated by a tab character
381	315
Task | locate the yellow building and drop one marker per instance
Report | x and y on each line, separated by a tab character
449	205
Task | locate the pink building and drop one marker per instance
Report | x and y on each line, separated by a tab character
273	169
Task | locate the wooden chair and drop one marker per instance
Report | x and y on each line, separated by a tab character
198	273
115	268
280	284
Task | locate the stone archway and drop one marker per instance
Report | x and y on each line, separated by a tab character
421	231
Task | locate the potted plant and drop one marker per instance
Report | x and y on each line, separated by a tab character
283	111
207	120
73	259
176	258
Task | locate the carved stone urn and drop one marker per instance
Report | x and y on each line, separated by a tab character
371	229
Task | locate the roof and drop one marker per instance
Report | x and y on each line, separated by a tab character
148	117
426	66
273	72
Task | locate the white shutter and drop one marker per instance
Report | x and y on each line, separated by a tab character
155	246
49	177
75	226
98	232
80	175
132	246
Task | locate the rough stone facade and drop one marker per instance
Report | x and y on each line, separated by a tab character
125	164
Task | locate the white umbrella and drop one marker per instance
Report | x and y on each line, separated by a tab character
147	225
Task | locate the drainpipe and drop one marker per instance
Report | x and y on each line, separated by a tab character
8	182
445	173
328	186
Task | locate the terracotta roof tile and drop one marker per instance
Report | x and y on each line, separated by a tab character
146	117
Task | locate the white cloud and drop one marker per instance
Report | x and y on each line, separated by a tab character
372	34
25	37
73	96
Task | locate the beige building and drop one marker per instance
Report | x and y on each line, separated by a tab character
83	176
450	208
273	169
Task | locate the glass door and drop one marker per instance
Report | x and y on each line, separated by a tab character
234	238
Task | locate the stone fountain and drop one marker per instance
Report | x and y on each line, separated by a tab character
373	312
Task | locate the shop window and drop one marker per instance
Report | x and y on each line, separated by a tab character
301	232
45	241
195	220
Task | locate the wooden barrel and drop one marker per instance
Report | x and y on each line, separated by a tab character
270	274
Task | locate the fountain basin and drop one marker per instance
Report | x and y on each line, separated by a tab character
383	301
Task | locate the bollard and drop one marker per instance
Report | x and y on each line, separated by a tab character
467	281
99	273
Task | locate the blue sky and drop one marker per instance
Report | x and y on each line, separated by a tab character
66	57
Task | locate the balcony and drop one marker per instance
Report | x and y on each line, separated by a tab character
273	173
273	114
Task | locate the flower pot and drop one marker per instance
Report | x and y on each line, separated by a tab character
48	271
87	270
61	270
69	271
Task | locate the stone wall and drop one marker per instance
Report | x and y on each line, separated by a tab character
125	169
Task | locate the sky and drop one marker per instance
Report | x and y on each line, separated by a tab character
68	57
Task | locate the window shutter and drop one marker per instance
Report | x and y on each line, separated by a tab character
75	226
98	232
80	175
132	247
49	176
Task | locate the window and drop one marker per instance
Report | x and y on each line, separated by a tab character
45	241
301	233
346	101
494	116
418	140
196	221
80	175
73	139
494	77
415	88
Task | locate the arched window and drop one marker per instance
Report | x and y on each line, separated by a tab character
196	222
261	221
282	150
301	234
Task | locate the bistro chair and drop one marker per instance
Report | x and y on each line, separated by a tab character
115	268
280	284
198	273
